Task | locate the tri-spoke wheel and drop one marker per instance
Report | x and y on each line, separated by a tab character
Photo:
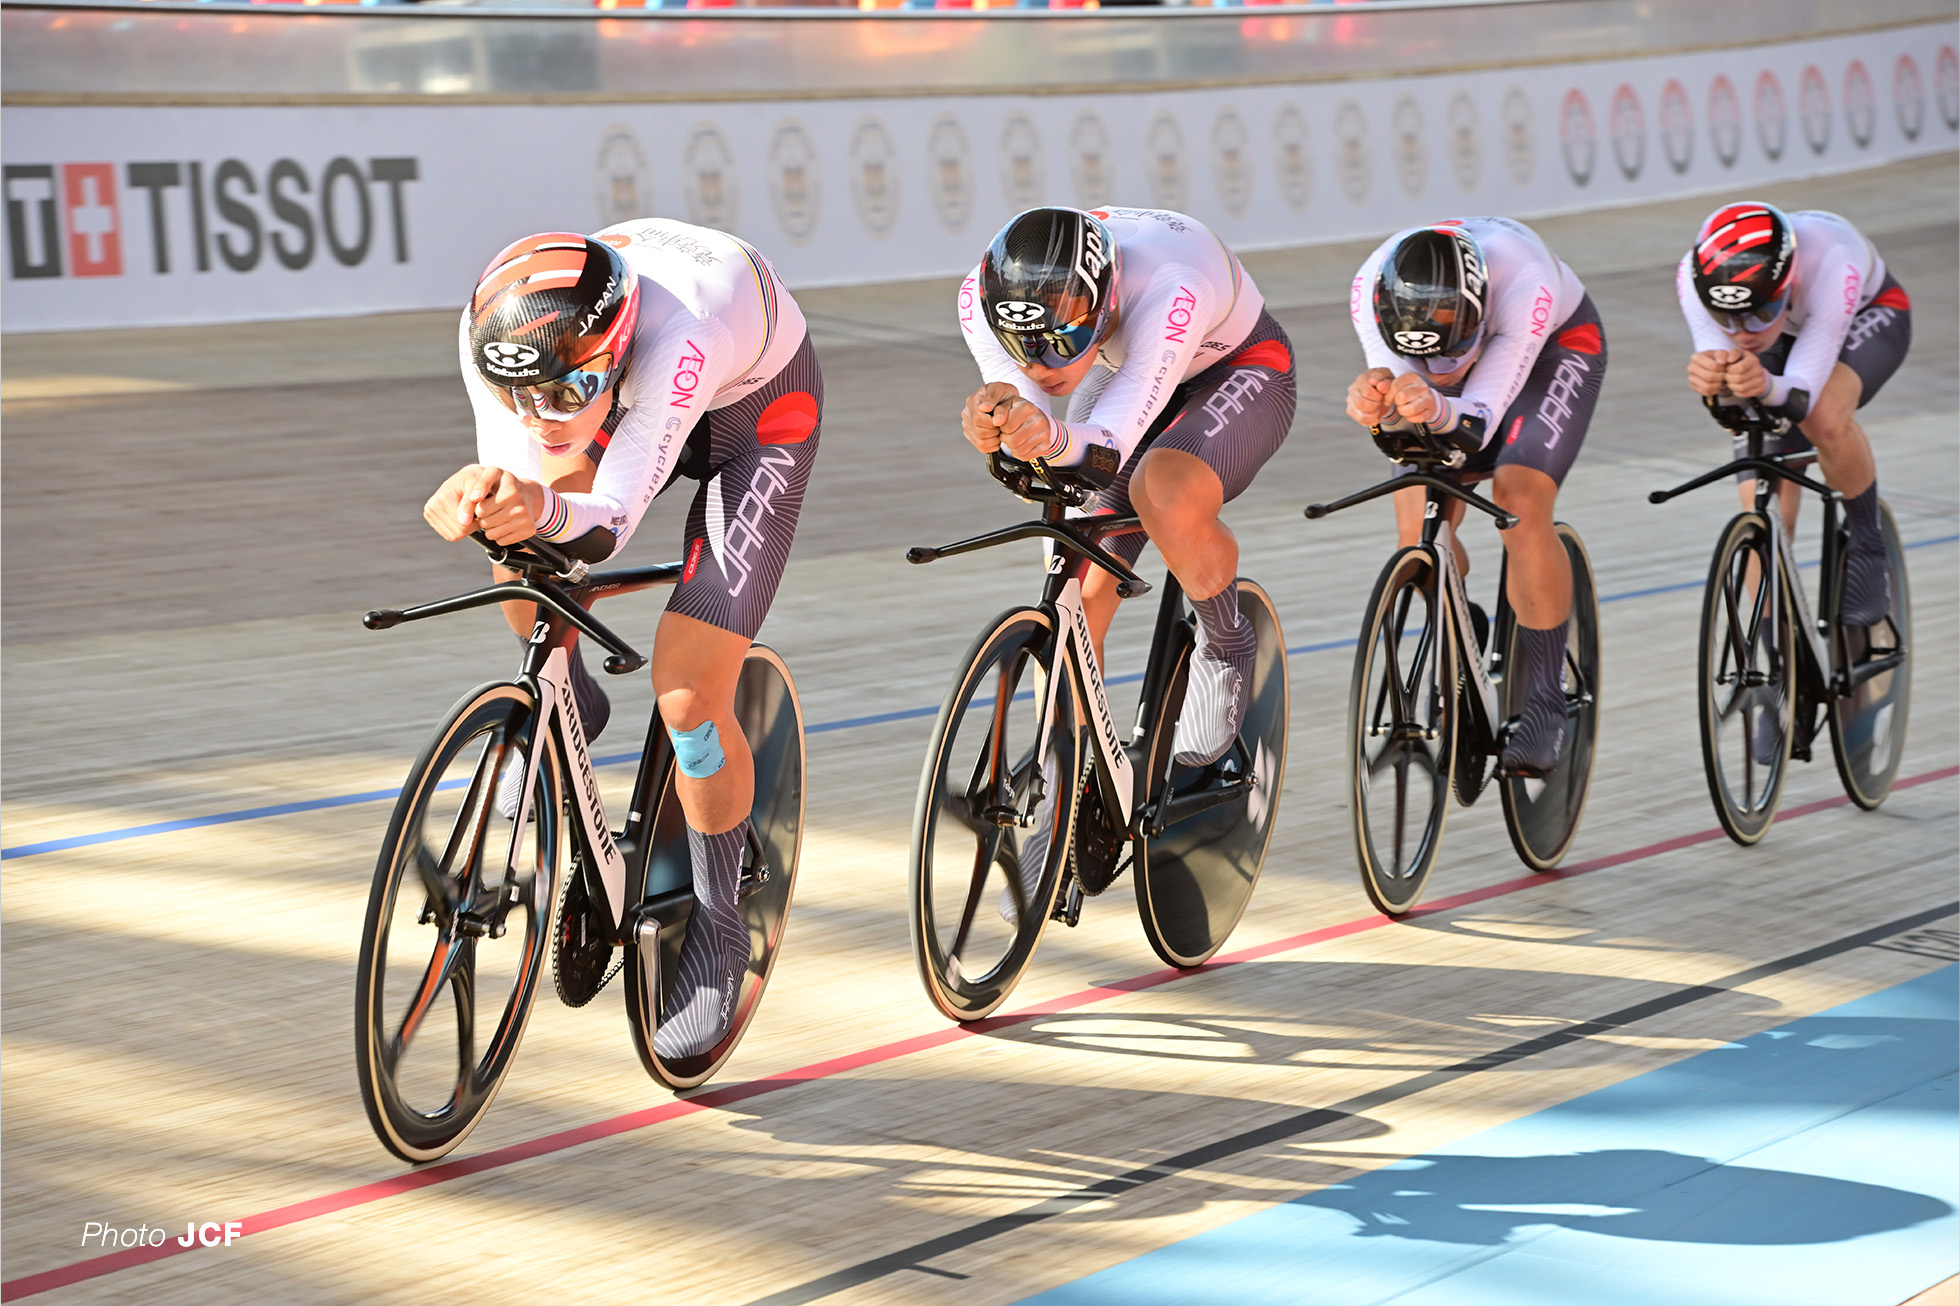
1747	680
1543	814
772	722
1193	880
991	828
1402	730
457	925
1868	725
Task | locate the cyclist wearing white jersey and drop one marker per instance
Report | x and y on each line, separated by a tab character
1146	323
600	368
1475	329
1797	310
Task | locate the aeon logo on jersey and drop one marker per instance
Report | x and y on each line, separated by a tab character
687	376
1413	340
71	219
1179	318
1731	296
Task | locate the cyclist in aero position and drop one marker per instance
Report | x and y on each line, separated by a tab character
1798	311
599	368
1475	329
1162	345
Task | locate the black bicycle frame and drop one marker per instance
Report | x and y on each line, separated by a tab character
560	609
1825	666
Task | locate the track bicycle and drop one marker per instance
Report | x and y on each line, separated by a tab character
1767	670
1429	709
1027	763
466	896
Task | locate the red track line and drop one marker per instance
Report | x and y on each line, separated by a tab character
444	1171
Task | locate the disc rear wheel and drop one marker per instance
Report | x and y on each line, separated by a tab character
771	717
1542	815
1194	879
1868	725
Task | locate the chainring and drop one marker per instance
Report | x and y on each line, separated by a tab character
581	944
1470	769
1096	851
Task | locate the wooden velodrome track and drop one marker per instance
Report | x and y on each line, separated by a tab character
194	519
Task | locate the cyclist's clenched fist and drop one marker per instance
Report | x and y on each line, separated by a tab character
1378	395
1727	371
997	416
489	499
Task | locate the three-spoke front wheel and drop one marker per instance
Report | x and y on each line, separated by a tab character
457	924
1747	681
1402	730
991	827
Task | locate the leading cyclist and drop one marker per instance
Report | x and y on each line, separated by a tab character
1798	310
599	368
1145	322
1474	328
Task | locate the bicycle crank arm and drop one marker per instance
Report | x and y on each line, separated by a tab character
1156	818
1876	666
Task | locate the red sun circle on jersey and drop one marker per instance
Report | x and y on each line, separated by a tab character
788	419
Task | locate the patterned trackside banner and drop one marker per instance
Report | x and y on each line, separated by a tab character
133	216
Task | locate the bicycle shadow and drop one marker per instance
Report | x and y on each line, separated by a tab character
1650	1194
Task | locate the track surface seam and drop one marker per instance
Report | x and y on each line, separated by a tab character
448	1171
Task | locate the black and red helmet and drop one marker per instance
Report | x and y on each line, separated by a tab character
1744	261
547	306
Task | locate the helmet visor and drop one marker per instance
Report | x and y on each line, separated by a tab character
1054	348
1760	318
564	398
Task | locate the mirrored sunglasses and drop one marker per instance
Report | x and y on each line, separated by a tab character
564	398
1057	348
1760	318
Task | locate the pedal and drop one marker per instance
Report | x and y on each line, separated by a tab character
755	869
646	941
1069	910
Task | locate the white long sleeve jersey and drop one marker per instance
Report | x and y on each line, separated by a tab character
715	323
1838	273
1530	292
1183	304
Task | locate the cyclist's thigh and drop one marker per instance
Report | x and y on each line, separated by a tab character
1547	423
1237	414
1878	339
743	518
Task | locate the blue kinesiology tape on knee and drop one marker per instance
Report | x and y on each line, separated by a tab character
698	751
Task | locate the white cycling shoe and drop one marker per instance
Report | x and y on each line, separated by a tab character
1033	852
1215	696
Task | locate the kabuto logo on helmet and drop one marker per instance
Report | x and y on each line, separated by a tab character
507	359
1731	296
1019	314
1417	342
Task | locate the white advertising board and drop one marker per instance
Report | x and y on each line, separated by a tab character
140	216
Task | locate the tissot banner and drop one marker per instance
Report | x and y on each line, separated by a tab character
135	216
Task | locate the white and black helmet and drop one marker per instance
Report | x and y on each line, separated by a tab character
1047	285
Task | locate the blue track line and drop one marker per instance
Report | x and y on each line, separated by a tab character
617	759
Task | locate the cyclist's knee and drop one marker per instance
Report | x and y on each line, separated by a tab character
1173	488
1526	493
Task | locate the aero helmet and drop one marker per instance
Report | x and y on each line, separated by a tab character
552	320
1047	286
1743	262
1429	296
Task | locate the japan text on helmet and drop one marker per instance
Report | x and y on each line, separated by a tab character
1429	296
1047	285
552	321
1743	262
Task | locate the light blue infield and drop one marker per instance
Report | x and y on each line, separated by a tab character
1815	1164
